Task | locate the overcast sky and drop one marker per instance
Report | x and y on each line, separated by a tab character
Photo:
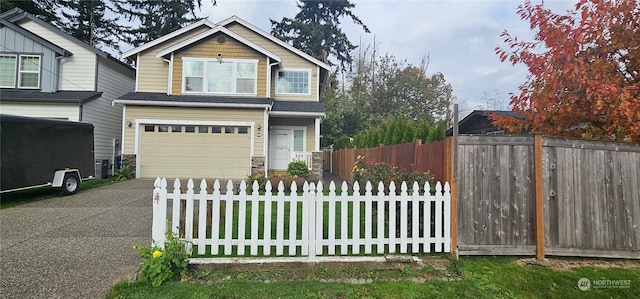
459	37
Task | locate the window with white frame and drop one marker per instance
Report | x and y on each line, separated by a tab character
231	76
294	82
21	71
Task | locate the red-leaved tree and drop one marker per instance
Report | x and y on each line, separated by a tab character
584	66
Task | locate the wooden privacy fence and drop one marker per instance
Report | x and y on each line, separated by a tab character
525	195
306	224
413	155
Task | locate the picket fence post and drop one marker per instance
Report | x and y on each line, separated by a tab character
159	224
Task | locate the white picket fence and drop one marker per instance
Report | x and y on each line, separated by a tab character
317	225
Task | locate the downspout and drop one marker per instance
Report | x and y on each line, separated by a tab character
170	75
269	75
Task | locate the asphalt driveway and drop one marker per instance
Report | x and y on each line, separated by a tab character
76	246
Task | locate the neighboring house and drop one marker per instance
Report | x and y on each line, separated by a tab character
47	73
479	122
222	101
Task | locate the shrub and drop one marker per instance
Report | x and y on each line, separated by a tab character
166	264
376	172
123	174
298	169
258	177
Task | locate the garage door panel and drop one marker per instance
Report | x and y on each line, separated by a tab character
194	155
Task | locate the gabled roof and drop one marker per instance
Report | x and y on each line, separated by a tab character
35	37
36	96
224	23
276	108
167	37
16	14
215	30
274	39
479	122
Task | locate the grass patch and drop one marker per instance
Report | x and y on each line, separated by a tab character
483	277
12	199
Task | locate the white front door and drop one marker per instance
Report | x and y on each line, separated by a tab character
280	149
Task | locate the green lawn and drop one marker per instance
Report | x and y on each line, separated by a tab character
480	277
12	199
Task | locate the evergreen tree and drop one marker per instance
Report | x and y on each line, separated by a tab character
156	18
86	21
44	9
315	30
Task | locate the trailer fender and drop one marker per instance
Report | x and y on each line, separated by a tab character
68	180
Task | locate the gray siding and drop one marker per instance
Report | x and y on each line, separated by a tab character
114	80
16	43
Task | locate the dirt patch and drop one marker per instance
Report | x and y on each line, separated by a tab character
419	270
566	264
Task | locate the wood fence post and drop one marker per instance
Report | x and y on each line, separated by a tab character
449	167
416	154
539	199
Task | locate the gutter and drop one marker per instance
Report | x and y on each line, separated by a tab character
189	104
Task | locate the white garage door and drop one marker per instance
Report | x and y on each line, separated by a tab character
192	151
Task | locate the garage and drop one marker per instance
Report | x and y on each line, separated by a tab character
221	151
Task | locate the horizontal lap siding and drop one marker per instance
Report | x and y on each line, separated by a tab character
114	80
76	72
153	72
289	60
202	114
61	111
230	49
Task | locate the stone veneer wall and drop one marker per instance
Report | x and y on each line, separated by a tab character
316	166
129	160
257	164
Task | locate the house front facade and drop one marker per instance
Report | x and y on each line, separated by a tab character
222	100
47	73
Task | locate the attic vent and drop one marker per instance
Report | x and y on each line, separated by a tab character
220	39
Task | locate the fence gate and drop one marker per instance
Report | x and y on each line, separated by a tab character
308	223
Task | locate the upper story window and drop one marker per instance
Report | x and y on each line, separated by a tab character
19	71
294	82
231	76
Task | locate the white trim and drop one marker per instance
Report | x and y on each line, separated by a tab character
318	89
136	148
299	70
316	148
189	104
137	72
274	40
15	70
234	81
170	76
20	72
296	114
168	37
124	128
265	148
215	30
139	122
268	78
291	133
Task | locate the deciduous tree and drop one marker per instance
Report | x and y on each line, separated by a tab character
584	70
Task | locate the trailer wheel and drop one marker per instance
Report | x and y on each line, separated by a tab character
70	184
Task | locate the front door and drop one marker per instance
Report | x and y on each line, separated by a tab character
280	149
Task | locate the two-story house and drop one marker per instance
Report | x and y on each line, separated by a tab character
47	73
222	101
